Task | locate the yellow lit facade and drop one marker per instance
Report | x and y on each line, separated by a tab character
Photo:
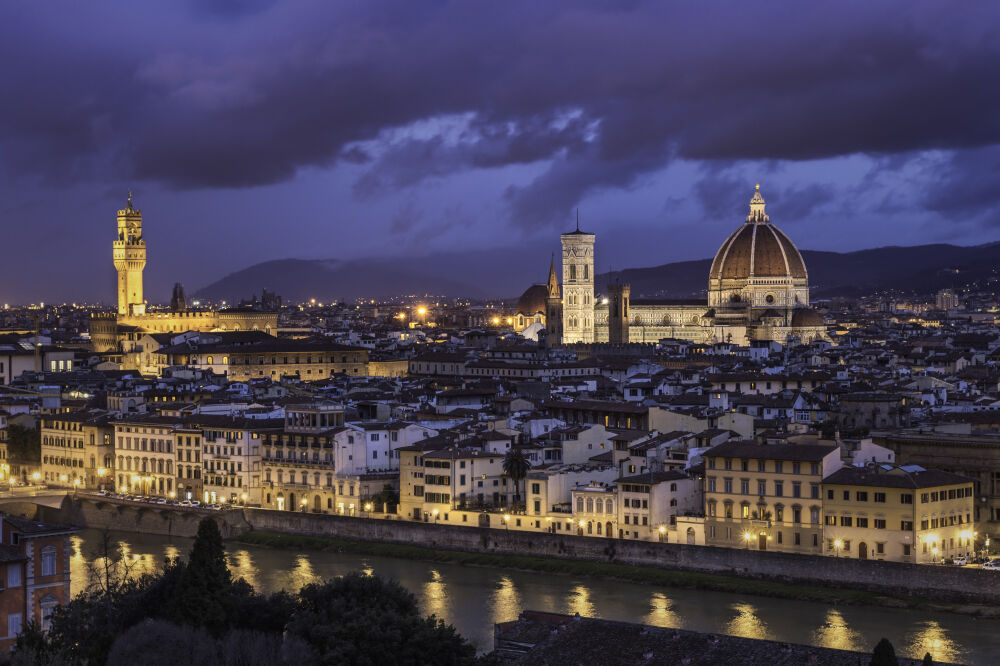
77	450
766	496
885	512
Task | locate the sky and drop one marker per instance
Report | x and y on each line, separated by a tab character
257	130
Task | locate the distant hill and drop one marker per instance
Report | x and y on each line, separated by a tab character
921	268
297	280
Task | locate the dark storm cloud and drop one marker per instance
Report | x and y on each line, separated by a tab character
636	86
967	185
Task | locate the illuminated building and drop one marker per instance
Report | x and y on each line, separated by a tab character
898	513
119	331
758	289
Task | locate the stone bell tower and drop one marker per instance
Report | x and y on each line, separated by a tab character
130	260
578	286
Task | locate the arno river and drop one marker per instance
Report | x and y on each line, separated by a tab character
473	599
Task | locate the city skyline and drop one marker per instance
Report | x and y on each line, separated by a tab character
257	131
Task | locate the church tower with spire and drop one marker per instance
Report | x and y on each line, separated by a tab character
130	260
553	309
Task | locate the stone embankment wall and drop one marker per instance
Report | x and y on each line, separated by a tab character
129	516
933	582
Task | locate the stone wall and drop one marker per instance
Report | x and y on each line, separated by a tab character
129	517
932	582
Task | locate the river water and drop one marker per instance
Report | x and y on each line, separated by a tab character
474	598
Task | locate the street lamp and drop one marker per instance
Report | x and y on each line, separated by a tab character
663	531
506	521
76	486
838	544
244	498
746	538
304	503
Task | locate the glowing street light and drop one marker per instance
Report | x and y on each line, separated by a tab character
838	544
506	520
746	538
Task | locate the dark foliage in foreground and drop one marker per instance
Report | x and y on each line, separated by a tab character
194	613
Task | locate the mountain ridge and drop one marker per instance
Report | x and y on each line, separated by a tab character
920	268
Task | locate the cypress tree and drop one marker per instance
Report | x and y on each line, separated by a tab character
200	599
884	654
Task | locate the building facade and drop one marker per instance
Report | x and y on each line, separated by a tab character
767	496
902	514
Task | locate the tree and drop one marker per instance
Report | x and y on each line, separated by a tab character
361	619
24	445
884	654
928	661
205	586
516	466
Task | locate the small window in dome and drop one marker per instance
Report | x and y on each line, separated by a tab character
769	298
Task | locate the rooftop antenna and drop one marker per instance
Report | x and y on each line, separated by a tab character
578	218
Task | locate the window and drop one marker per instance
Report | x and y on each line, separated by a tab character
744	486
829	494
846	521
880	548
906	525
13	575
796	489
727	485
13	624
861	496
778	466
880	498
862	522
906	498
761	487
779	489
49	561
880	523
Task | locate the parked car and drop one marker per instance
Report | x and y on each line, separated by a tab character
961	561
161	500
185	503
993	565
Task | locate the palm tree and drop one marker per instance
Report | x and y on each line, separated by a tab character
516	466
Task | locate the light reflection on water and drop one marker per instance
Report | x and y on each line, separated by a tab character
836	633
746	623
931	637
505	602
578	602
435	596
661	612
474	598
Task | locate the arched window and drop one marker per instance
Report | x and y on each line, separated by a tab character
590	505
579	505
609	506
209	360
599	506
